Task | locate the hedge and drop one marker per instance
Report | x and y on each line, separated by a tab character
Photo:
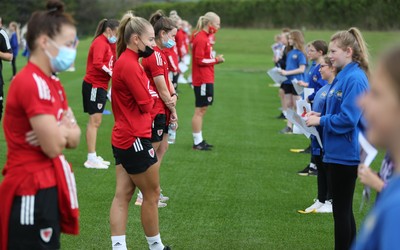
310	14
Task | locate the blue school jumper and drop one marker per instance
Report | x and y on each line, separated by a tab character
294	59
341	119
316	82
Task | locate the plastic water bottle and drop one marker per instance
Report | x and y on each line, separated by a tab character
171	133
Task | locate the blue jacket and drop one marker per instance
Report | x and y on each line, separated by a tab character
14	43
316	82
319	106
341	119
380	229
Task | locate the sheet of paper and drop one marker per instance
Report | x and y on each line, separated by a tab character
303	107
299	89
299	121
186	59
367	151
276	76
367	155
183	67
307	92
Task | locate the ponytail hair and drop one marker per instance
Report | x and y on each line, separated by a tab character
104	24
298	40
161	22
353	39
205	20
130	25
48	22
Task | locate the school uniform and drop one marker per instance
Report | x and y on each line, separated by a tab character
380	228
157	65
203	63
38	193
99	68
323	179
315	81
341	125
294	59
132	103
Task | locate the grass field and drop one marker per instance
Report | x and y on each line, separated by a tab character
242	195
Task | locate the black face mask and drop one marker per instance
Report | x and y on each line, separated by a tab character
146	53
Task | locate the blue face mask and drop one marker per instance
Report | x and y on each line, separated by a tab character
64	59
169	44
112	39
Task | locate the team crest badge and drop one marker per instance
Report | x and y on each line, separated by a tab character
209	99
151	152
294	56
315	78
160	132
331	92
323	94
46	234
99	105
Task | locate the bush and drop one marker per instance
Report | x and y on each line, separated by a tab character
331	14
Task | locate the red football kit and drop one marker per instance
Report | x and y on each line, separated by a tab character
156	65
100	62
202	59
27	168
173	60
181	43
132	101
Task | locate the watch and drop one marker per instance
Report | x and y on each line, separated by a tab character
175	94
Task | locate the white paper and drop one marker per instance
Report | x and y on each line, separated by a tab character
299	121
186	59
183	67
276	76
303	107
299	89
367	155
367	151
308	92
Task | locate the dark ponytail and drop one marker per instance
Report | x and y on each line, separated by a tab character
47	22
161	22
104	24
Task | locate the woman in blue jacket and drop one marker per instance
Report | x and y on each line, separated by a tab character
14	41
340	121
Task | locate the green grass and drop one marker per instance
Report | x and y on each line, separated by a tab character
242	195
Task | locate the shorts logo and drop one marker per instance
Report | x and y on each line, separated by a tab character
160	132
151	152
99	105
209	99
46	234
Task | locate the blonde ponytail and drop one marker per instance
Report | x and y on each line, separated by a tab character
353	39
362	57
121	43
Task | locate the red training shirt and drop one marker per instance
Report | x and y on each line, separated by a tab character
156	65
202	60
131	102
181	44
100	62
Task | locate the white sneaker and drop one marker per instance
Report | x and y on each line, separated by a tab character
103	161
139	202
326	208
314	206
95	164
163	198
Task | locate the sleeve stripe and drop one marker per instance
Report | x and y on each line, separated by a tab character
208	61
4	34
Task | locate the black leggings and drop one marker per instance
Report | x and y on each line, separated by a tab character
343	183
323	180
14	66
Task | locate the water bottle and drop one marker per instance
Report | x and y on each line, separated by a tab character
171	133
